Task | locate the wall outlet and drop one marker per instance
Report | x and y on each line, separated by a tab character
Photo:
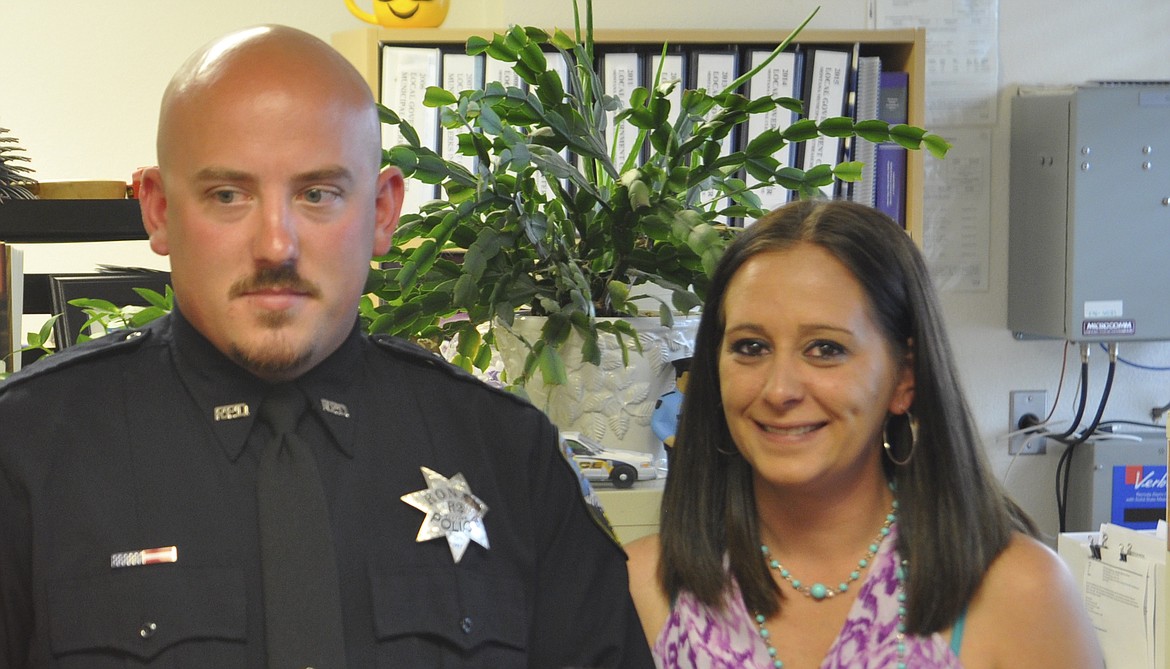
1025	402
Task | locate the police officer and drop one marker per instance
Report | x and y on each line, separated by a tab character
135	525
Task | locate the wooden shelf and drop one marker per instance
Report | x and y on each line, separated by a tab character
56	221
70	221
902	49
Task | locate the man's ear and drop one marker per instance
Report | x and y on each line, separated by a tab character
153	201
387	208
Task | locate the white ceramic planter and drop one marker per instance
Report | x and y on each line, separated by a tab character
610	402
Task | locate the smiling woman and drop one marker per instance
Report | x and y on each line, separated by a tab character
403	13
799	521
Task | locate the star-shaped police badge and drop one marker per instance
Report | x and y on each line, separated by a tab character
452	512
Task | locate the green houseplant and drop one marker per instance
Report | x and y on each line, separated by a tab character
579	241
575	241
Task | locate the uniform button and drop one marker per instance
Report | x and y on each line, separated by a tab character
465	625
148	630
134	334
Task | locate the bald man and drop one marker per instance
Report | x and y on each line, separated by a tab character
135	517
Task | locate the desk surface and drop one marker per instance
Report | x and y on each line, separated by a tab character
632	512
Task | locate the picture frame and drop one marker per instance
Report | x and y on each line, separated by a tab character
116	287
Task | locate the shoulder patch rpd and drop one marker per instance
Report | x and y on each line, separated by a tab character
592	501
114	342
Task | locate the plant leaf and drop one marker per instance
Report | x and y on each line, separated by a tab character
469	339
907	135
387	115
848	171
937	145
801	131
767	143
552	367
438	97
873	130
477	45
837	126
639	195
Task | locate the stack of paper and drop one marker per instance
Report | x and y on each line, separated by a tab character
1123	578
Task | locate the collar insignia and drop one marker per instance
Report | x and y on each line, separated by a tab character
231	411
335	408
452	512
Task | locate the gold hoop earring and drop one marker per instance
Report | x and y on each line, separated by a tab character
912	425
730	453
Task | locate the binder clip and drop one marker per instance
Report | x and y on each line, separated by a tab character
1124	551
1095	547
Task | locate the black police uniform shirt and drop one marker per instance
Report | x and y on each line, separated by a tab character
114	447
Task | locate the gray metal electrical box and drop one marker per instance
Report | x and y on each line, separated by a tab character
1089	240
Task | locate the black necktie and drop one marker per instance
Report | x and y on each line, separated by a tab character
302	602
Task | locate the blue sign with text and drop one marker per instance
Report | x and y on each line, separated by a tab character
1139	496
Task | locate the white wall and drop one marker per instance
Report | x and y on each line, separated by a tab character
1049	42
81	82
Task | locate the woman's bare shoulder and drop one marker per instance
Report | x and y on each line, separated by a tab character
1028	612
644	551
652	603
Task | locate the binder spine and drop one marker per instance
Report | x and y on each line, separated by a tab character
460	72
714	69
868	95
407	71
827	83
781	78
621	73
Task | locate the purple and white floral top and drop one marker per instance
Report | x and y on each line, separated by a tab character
695	637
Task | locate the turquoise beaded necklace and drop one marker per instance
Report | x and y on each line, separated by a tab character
820	592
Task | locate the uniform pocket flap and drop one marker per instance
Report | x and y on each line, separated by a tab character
465	608
141	611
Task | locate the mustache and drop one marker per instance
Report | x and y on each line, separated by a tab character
282	277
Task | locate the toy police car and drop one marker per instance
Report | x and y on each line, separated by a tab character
599	463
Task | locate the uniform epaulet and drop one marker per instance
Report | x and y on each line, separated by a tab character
114	342
414	353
